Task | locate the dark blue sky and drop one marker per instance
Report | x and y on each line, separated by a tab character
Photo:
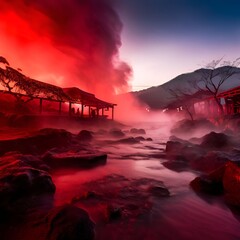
181	16
183	34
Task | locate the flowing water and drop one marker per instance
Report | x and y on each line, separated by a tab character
183	216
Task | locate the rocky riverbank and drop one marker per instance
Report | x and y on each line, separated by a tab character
27	189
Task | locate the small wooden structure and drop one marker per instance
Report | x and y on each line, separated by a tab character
15	83
229	99
232	100
85	99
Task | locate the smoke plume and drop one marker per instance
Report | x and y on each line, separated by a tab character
67	43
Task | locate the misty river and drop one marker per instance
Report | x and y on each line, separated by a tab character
183	215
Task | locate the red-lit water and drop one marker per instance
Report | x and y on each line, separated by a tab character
182	216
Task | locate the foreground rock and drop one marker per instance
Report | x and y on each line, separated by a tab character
74	159
210	183
188	128
18	179
225	180
213	150
117	133
231	184
116	197
38	143
137	131
69	223
215	140
85	136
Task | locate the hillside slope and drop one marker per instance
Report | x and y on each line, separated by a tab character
160	96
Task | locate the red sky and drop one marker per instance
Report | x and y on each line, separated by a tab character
67	43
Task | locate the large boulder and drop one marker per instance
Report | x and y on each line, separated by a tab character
38	142
231	184
33	161
69	222
206	156
85	136
183	151
117	133
215	140
209	183
74	159
188	128
174	147
224	180
129	140
137	131
18	179
211	161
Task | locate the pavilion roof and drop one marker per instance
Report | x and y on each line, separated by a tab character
230	93
13	81
88	99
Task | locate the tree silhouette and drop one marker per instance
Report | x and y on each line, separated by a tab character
15	82
216	73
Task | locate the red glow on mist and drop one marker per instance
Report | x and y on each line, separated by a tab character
67	43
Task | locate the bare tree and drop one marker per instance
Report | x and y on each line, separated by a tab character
23	87
216	73
184	98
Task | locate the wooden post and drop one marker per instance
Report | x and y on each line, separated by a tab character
102	111
60	108
40	107
70	109
82	111
89	111
112	112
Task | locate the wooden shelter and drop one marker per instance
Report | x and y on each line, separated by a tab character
15	83
232	100
85	99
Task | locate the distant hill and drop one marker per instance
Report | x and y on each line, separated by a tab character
160	97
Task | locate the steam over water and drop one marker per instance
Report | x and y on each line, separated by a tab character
183	215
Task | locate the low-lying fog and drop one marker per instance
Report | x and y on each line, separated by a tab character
182	215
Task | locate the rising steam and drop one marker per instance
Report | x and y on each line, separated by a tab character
67	43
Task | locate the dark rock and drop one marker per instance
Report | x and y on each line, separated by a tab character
196	156
30	160
183	151
159	191
71	159
210	161
192	153
85	135
140	138
121	198
113	212
188	127
101	132
174	147
38	143
231	184
177	166
225	180
69	223
215	140
204	184
211	183
137	131
177	139
116	133
88	195
18	179
129	140
149	139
